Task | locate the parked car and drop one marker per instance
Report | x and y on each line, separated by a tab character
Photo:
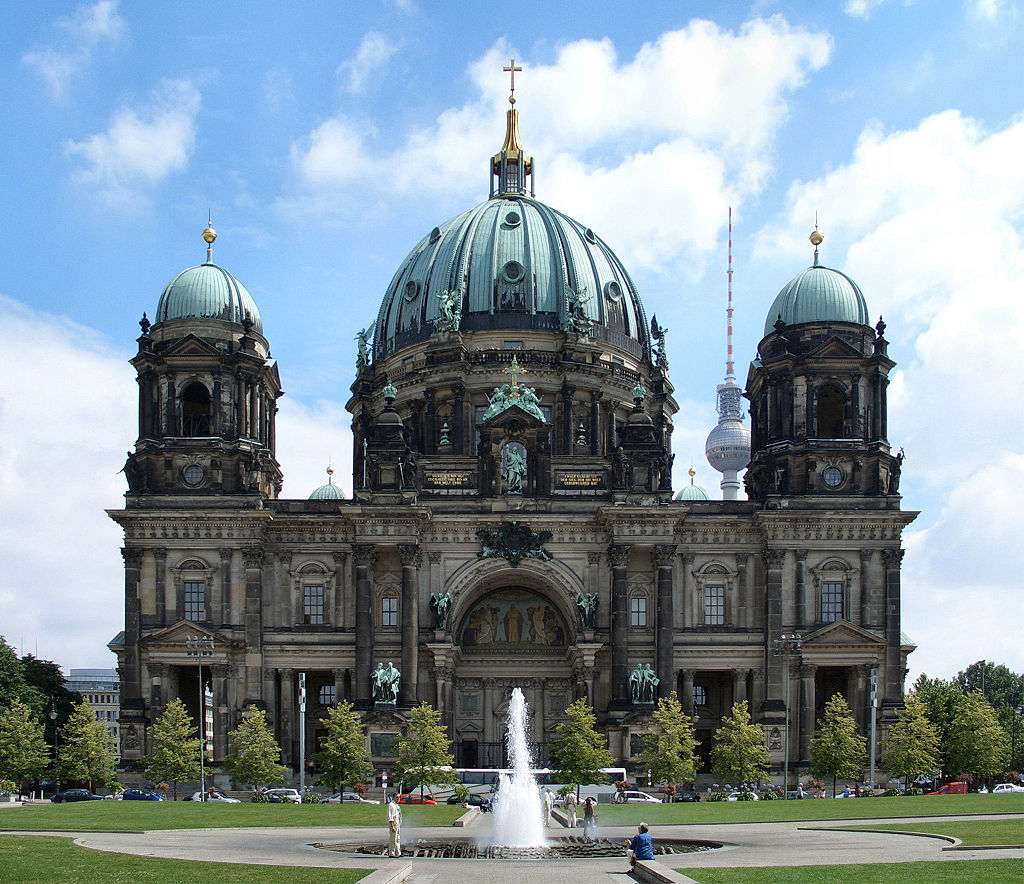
215	796
951	789
474	800
687	795
633	797
414	798
139	794
349	798
284	796
1006	789
735	796
75	795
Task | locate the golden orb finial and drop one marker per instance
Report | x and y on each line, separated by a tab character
692	473
209	235
816	238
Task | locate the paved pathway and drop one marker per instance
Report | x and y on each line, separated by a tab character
752	844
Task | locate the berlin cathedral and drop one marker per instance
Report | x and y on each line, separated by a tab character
513	521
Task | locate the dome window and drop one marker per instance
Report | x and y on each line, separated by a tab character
412	289
832	477
512	272
435	234
512	219
195	410
613	291
193	475
589	234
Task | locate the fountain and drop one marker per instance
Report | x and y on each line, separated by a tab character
518	821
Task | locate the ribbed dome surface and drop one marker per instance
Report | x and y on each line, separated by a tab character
329	491
514	261
693	492
207	292
818	294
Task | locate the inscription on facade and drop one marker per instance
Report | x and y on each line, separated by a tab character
579	480
447	479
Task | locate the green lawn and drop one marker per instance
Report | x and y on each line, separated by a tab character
954	872
973	833
140	816
31	858
704	813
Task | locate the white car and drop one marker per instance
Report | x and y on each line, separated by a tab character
284	796
214	795
632	797
735	796
349	798
1006	788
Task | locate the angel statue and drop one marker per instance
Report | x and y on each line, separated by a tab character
576	316
658	333
364	345
450	305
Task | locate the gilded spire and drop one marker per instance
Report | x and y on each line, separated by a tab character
512	163
816	239
209	235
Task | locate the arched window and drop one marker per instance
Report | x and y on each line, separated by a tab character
831	410
196	410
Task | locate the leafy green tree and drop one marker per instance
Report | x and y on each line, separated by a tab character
978	744
424	751
253	753
912	747
48	681
12	677
343	758
739	752
837	749
24	754
670	752
175	743
580	751
86	748
944	704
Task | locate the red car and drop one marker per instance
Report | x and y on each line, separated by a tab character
414	798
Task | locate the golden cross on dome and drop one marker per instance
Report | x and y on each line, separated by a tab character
514	371
511	71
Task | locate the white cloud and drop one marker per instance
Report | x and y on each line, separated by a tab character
87	29
142	145
658	130
374	51
928	222
985	10
862	8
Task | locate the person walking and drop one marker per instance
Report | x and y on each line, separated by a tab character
546	800
394	827
589	819
641	847
569	804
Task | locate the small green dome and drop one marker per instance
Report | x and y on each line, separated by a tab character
330	491
208	292
693	492
818	294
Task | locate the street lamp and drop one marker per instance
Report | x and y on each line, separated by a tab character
53	718
199	647
785	647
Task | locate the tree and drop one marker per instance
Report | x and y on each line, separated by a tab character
86	748
944	705
977	744
739	752
837	749
175	742
580	751
253	752
343	758
51	686
24	754
670	752
12	678
424	751
912	747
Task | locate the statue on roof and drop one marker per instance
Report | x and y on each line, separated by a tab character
450	305
364	345
658	332
576	319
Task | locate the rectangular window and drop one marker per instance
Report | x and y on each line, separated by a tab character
638	612
195	600
328	695
714	606
389	611
313	604
384	745
831	602
700	695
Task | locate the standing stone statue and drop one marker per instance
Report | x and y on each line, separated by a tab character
515	470
440	603
587	605
384	681
643	684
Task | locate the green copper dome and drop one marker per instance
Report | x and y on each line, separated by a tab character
330	491
818	294
207	292
692	492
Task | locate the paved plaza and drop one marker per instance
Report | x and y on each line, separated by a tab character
746	844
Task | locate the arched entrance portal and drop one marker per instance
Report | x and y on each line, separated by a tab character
510	636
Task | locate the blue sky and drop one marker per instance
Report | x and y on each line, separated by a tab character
327	139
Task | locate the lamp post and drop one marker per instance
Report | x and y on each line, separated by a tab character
785	647
874	714
53	718
199	647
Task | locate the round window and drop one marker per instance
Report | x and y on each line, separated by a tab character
435	234
193	474
411	290
590	235
612	291
832	476
512	219
512	271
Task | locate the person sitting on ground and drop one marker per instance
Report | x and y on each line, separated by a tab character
641	847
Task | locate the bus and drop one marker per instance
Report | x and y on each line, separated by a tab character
485	781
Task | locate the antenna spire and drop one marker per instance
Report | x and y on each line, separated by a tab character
730	367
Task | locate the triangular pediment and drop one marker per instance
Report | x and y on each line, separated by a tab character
835	348
515	414
839	635
177	635
190	345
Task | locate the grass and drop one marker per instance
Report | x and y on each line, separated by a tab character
33	858
973	833
704	813
141	816
953	872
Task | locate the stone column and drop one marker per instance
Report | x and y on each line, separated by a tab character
339	684
664	556
893	667
338	602
226	556
445	691
363	553
688	677
488	710
157	689
538	708
411	557
686	614
801	589
619	555
131	672
221	712
739	685
253	556
807	702
287	717
865	588
458	428
773	562
160	586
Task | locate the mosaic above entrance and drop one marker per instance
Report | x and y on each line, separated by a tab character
513	617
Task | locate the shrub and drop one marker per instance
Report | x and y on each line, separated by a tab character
891	793
719	796
747	796
915	790
769	796
310	798
361	789
260	798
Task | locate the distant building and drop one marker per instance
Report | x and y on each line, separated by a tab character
101	689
